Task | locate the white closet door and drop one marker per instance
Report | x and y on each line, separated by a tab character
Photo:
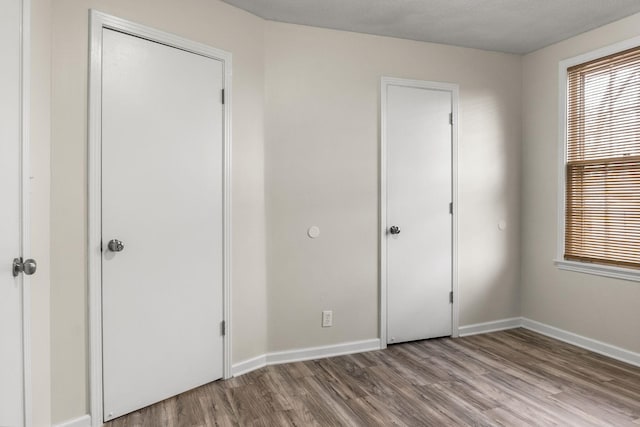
162	198
419	185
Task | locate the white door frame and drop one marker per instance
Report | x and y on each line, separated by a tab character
98	21
453	89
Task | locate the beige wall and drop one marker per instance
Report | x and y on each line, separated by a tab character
321	160
206	21
40	226
316	93
597	307
322	111
305	133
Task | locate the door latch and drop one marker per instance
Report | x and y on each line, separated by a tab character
27	267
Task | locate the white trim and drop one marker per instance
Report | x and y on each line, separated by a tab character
249	365
303	354
383	214
98	21
576	266
599	270
493	326
590	344
455	95
385	82
83	421
94	209
25	194
562	157
601	52
322	351
226	58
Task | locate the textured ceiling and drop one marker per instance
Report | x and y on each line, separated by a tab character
514	26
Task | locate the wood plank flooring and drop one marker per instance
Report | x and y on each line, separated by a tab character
509	378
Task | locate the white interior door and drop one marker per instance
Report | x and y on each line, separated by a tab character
11	362
419	190
162	197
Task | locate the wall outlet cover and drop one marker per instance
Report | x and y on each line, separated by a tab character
327	318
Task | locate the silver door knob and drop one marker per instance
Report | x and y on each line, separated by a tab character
394	229
115	245
27	267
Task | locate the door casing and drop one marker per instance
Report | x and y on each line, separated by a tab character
98	21
454	90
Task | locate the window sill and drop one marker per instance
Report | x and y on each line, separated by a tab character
599	270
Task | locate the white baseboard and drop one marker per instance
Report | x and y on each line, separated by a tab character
299	355
493	326
463	331
580	341
590	344
322	352
83	421
248	365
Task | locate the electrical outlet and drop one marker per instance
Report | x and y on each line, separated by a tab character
327	318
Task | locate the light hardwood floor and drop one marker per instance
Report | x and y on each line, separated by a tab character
510	378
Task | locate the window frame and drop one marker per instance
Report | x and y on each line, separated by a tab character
579	266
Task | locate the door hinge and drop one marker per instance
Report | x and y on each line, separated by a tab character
450	118
451	297
451	208
222	96
223	328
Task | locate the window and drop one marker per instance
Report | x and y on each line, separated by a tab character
602	168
